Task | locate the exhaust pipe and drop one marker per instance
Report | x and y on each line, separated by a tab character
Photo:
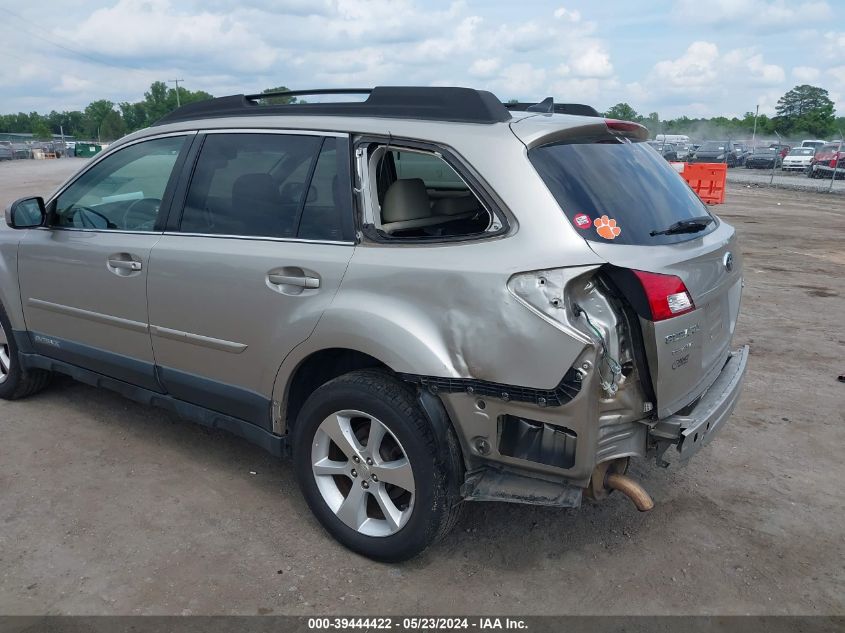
631	489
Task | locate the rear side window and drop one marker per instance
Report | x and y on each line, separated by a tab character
328	210
626	185
434	172
265	185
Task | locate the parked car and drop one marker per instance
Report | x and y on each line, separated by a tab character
715	152
21	150
667	150
826	158
6	151
814	144
741	152
420	305
798	159
764	158
683	150
782	149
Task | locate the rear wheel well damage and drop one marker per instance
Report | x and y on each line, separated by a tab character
328	364
318	369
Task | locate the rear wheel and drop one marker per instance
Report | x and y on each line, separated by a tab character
371	468
15	381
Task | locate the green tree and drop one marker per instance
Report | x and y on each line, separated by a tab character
134	114
112	126
41	130
156	101
279	100
805	108
95	114
622	111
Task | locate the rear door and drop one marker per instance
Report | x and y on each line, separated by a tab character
244	274
621	198
83	278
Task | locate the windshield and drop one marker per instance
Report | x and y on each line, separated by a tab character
803	151
765	150
618	191
712	146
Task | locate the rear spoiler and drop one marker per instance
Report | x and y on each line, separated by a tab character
548	106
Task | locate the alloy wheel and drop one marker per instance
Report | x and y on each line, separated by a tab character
5	356
363	473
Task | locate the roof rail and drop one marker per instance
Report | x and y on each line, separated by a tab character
558	108
460	105
302	93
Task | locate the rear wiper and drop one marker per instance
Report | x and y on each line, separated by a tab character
693	225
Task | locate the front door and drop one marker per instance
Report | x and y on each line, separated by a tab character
258	254
83	278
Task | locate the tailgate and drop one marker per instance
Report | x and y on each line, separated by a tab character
638	214
686	353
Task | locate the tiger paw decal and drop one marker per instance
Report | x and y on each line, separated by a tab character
606	227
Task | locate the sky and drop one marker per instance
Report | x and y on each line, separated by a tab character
680	57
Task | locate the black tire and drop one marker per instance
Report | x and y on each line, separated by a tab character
434	461
17	382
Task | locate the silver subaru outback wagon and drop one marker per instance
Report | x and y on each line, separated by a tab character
423	297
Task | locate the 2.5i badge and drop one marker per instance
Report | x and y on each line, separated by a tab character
582	221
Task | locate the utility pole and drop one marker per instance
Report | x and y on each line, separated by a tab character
176	81
754	133
775	159
836	162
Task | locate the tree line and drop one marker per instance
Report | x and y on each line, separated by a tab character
804	110
105	120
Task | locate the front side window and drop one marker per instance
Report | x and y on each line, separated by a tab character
123	191
267	185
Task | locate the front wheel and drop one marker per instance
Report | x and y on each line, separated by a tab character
15	381
371	467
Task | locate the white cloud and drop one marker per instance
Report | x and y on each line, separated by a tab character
749	65
570	15
833	45
752	14
838	73
155	29
805	74
694	69
593	62
703	74
522	79
485	67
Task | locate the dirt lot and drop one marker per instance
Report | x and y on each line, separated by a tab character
108	507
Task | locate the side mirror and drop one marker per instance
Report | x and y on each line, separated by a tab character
26	213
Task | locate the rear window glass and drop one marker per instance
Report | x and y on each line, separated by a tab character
618	191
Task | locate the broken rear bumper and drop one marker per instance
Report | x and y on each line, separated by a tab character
693	430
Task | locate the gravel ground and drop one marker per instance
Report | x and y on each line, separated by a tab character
109	507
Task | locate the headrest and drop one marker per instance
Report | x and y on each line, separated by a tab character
406	199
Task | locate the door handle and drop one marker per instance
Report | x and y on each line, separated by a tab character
122	264
294	280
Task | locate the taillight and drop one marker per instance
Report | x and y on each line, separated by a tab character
627	128
834	159
667	295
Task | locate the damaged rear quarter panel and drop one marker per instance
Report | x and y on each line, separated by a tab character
446	311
